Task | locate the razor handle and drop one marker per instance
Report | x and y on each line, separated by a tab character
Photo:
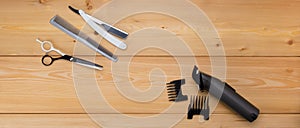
228	95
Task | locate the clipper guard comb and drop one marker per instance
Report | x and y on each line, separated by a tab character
175	92
199	105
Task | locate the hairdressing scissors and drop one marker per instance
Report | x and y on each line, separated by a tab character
63	56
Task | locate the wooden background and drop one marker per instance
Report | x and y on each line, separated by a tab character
261	40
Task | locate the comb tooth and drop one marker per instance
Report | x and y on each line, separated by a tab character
202	102
171	85
172	99
172	96
191	101
172	93
171	89
197	103
206	102
194	101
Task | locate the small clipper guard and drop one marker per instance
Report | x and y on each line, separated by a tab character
229	96
199	105
175	91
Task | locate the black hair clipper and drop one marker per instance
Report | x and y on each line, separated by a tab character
228	95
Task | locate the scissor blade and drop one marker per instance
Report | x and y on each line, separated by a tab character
86	63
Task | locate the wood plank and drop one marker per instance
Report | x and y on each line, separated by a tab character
250	32
82	121
28	87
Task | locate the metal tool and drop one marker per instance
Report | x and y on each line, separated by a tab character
175	92
75	33
228	95
103	29
63	56
199	105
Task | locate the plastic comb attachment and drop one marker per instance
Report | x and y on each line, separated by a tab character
199	105
175	92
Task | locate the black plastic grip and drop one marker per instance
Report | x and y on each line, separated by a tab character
227	95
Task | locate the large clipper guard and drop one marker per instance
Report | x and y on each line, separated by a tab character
228	95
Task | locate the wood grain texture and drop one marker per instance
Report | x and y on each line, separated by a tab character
261	40
83	121
247	28
29	87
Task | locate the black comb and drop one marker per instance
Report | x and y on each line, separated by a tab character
175	92
199	105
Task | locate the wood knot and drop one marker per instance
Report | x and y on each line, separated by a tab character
163	27
89	4
265	29
42	1
243	49
290	42
289	70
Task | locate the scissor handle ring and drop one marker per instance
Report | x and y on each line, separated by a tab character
47	64
47	43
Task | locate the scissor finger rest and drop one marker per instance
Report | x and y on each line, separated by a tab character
47	46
